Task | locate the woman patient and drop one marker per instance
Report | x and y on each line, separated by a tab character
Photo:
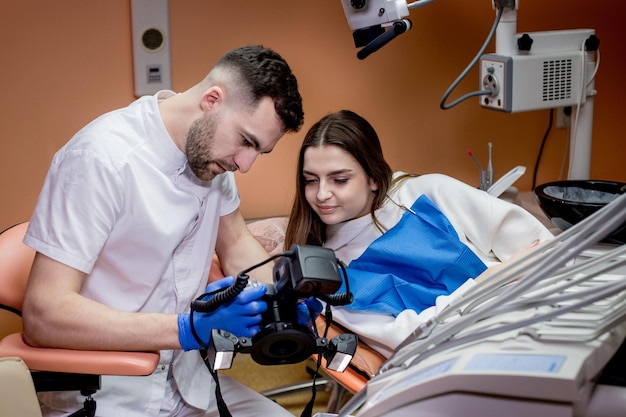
412	242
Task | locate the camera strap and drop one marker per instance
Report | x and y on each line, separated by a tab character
221	404
308	409
328	316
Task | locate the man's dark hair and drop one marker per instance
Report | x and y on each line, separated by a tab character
268	75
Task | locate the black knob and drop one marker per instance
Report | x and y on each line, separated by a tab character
592	43
524	42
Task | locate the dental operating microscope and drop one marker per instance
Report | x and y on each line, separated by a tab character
528	71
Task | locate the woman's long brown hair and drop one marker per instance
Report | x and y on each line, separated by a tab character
355	135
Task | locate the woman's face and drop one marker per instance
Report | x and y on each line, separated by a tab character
335	185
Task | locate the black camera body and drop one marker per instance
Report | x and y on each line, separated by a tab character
303	272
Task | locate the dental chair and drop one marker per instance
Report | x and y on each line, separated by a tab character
56	369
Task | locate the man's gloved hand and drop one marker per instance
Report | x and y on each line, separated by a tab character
308	310
241	317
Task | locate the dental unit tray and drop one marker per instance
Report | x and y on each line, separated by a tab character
513	375
534	339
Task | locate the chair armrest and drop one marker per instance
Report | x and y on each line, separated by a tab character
79	361
365	359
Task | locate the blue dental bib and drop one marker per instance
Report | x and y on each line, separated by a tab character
413	263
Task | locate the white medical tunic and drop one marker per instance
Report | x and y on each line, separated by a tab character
120	204
492	228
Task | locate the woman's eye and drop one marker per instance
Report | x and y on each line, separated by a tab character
341	180
310	180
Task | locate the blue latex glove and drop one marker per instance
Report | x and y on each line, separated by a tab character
308	310
241	317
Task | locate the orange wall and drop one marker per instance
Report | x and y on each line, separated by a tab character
64	63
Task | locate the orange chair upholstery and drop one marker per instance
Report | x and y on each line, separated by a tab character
71	368
15	262
364	365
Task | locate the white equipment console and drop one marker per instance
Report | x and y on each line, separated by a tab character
544	370
533	340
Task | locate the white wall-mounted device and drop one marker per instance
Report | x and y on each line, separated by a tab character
543	70
151	46
549	75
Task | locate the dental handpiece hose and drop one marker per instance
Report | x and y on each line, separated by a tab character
483	174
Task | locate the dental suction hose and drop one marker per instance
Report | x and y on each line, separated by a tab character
397	29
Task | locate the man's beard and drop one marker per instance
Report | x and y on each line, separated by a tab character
199	147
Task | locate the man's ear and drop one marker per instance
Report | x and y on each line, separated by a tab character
212	97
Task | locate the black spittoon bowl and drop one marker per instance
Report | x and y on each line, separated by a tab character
570	201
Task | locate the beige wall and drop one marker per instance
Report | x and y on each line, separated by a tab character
63	63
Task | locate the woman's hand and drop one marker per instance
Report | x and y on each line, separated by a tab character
493	269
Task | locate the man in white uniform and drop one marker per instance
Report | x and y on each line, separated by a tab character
131	212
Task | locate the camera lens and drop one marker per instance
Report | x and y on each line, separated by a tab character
281	343
283	347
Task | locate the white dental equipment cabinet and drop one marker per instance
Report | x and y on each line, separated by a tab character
533	340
